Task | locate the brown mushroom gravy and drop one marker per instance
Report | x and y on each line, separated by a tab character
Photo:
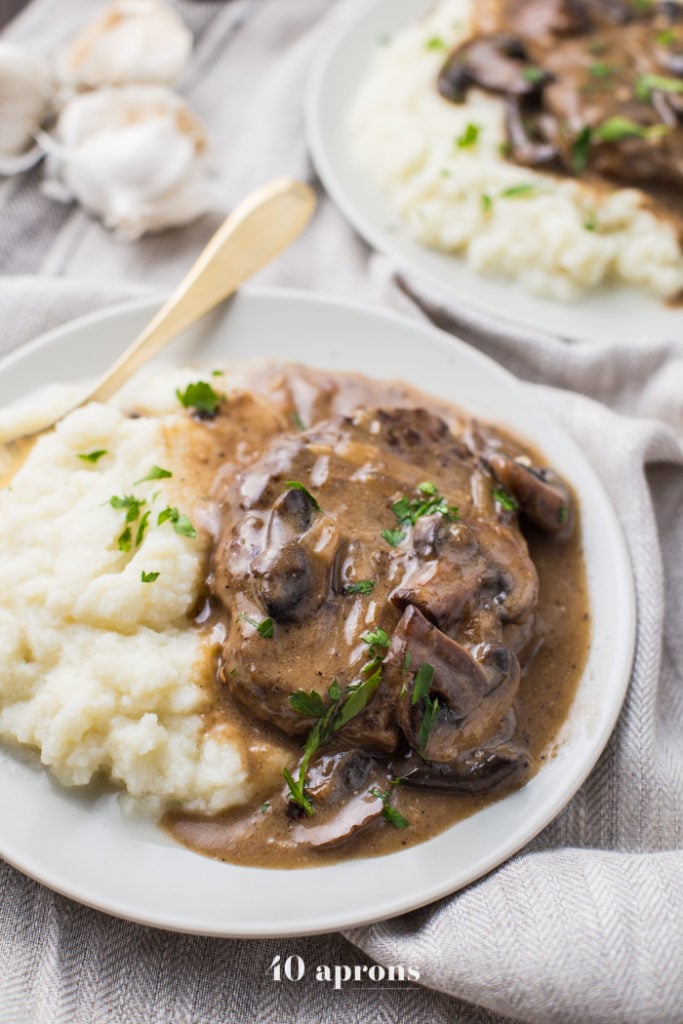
399	600
592	88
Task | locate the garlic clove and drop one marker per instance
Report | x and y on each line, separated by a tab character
135	156
25	102
134	41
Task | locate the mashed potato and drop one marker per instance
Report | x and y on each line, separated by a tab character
558	237
102	672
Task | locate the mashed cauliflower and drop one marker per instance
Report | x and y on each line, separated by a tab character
558	237
100	671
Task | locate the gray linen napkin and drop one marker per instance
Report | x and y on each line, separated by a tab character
586	923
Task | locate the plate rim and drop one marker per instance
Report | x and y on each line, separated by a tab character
341	919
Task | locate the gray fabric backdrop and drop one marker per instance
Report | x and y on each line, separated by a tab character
586	923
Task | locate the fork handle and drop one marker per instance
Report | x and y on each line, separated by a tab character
256	231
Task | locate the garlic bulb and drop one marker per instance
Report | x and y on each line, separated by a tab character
133	42
135	156
25	89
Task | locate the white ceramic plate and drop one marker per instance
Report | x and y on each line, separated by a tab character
612	313
80	845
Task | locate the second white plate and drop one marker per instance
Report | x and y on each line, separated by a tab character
609	314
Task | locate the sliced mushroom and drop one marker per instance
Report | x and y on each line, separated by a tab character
345	789
498	63
475	771
473	695
525	150
542	496
293	571
475	561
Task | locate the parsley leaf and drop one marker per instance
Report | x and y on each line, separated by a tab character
408	510
200	396
390	813
435	43
149	577
345	705
131	504
263	628
362	587
647	84
294	485
517	191
377	639
580	149
428	719
469	136
423	681
616	128
393	537
534	74
505	499
155	473
142	526
181	524
92	456
125	540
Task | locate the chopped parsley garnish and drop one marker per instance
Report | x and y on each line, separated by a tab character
429	717
142	526
263	628
516	191
181	524
590	223
534	74
200	396
406	662
125	540
600	70
421	687
149	577
580	150
131	504
423	681
133	508
435	43
505	499
311	705
298	422
408	510
218	373
647	84
361	587
486	202
393	537
667	37
344	705
469	136
562	514
390	813
294	485
616	128
92	456
155	473
265	806
376	640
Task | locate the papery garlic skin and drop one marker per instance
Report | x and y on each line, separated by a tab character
135	156
133	42
25	101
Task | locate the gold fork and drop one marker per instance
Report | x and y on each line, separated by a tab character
256	231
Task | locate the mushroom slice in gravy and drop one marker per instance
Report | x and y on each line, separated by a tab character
403	604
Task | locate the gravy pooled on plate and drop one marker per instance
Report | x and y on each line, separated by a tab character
400	596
